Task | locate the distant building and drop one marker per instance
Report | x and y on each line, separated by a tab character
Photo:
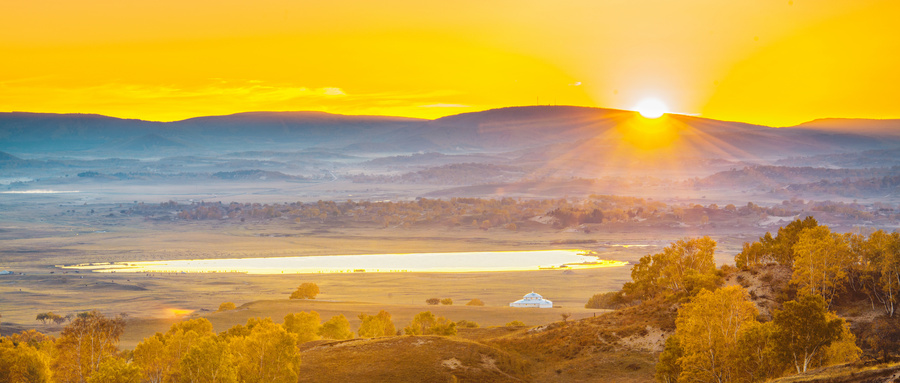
532	300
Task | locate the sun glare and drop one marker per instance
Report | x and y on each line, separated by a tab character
651	108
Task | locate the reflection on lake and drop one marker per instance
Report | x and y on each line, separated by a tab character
421	262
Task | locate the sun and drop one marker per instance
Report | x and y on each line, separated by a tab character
651	108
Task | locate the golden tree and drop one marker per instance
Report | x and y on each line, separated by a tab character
208	361
303	324
22	362
820	262
116	370
306	290
338	327
376	325
268	354
84	344
708	329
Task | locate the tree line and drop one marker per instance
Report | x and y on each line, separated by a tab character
87	349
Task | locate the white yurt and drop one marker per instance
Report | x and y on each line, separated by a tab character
532	300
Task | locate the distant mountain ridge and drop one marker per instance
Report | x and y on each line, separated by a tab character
588	133
879	127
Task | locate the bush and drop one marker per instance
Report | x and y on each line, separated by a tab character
475	302
515	323
225	306
611	300
306	291
433	301
466	324
446	301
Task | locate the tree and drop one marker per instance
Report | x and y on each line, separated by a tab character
667	271
225	306
420	324
447	301
208	361
306	290
84	344
609	300
757	358
878	264
151	358
475	302
433	301
376	325
268	354
426	323
820	262
756	253
116	370
443	327
52	317
159	357
783	246
305	325
669	368
338	327
803	329
22	362
884	337
708	329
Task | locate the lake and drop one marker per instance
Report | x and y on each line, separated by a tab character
378	263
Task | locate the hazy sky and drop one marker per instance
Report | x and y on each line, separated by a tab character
772	62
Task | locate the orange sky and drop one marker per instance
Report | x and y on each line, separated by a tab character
771	62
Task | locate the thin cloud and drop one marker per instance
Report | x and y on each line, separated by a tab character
445	106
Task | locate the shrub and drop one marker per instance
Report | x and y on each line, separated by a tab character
306	290
433	301
475	302
225	306
515	323
466	324
446	301
611	300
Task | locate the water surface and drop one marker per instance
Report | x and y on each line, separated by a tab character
413	262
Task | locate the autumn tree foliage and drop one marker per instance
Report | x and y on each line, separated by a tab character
376	325
159	357
24	362
208	360
267	354
306	290
475	302
225	306
338	327
116	370
778	249
708	330
426	323
86	342
821	260
804	329
305	325
680	266
876	268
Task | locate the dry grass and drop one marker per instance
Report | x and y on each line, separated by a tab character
409	359
847	373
